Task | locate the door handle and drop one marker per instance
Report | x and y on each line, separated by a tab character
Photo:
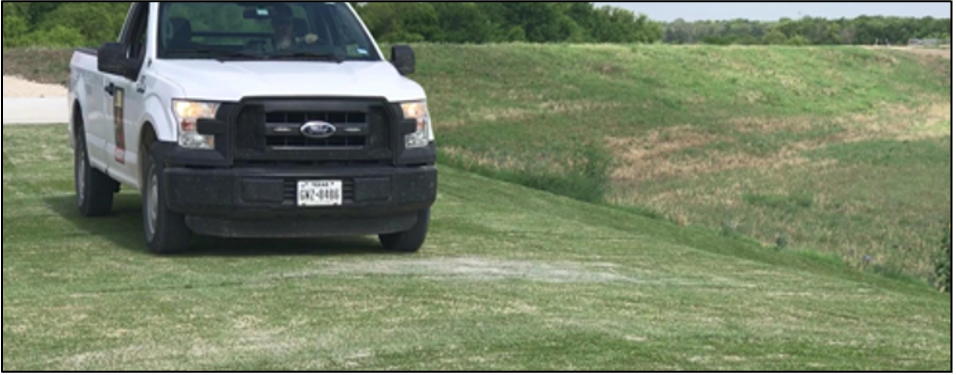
110	89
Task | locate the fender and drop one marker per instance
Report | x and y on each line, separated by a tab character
161	116
158	109
157	117
74	104
77	82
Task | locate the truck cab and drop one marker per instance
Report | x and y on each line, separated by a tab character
254	120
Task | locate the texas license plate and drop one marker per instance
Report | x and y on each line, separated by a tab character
320	193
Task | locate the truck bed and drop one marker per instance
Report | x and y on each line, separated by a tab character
87	51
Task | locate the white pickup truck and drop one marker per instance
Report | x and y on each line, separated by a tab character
254	120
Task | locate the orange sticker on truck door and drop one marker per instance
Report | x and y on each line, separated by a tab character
119	100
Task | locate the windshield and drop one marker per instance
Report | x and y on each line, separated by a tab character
262	30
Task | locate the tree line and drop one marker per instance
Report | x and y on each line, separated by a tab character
809	31
69	24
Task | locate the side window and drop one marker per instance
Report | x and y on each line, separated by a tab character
138	32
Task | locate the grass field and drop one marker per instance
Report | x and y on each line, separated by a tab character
511	279
845	150
724	201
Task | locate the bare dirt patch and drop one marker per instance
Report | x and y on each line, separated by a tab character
475	269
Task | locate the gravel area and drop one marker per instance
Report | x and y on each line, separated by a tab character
19	88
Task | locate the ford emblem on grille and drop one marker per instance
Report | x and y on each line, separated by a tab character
318	130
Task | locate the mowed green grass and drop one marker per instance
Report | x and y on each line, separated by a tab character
842	150
510	279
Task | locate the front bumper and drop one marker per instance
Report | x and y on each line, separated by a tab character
261	202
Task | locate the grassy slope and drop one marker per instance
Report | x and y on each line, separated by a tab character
841	149
510	279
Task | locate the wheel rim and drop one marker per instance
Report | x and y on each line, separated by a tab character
152	205
81	176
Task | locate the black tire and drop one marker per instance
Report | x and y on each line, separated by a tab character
165	231
94	189
409	241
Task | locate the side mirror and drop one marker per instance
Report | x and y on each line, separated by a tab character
403	58
111	59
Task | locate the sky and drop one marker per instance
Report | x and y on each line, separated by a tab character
775	11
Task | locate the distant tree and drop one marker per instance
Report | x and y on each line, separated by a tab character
93	23
774	37
10	9
816	31
59	36
798	40
462	23
617	25
516	34
401	22
34	12
13	30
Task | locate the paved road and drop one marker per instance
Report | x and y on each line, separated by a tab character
35	111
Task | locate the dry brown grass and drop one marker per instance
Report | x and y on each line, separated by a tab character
47	66
482	159
764	125
516	114
653	157
656	156
920	51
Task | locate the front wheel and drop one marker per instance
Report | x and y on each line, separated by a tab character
166	231
409	241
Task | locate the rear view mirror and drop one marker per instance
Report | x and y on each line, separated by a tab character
255	14
403	58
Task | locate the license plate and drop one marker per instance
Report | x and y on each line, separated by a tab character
320	193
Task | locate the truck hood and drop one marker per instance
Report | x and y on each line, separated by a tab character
231	81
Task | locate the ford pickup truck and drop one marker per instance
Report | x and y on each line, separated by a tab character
253	120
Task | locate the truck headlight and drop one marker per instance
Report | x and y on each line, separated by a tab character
187	113
423	134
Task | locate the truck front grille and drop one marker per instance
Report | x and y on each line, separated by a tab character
303	142
271	129
291	122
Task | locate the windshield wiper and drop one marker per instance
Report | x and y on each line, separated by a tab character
221	55
310	56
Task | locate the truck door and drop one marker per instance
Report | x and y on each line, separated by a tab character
126	100
95	119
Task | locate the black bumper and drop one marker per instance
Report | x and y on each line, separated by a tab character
262	202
